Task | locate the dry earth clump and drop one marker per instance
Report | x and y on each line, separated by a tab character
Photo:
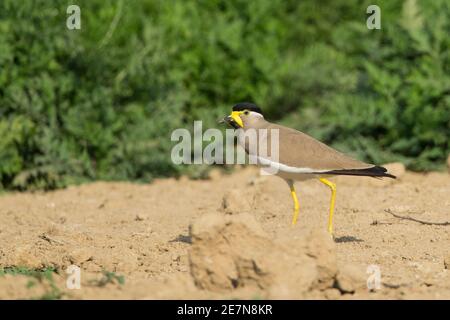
233	253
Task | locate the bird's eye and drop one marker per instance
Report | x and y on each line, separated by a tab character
246	112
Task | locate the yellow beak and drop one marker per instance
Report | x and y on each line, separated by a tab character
235	115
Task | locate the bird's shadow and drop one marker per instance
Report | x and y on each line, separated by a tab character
188	239
345	239
182	238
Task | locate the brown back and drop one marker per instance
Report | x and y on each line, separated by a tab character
297	149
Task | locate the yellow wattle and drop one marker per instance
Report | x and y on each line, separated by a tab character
235	115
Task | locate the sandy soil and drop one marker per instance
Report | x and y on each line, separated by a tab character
231	237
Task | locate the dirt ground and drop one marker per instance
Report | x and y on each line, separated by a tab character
230	237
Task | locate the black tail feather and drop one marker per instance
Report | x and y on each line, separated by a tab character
375	171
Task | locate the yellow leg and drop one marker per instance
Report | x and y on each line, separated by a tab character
296	205
333	198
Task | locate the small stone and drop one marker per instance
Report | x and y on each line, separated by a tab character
332	294
102	204
176	257
140	217
344	283
256	180
91	266
447	262
235	201
349	279
80	255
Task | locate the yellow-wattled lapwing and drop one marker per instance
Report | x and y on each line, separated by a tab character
300	157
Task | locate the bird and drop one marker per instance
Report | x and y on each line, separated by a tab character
300	156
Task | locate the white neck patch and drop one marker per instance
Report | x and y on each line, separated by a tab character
256	114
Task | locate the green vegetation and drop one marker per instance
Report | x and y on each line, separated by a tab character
45	273
107	278
101	102
45	276
37	276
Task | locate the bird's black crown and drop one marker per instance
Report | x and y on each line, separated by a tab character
247	106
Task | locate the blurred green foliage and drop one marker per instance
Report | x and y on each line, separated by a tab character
101	102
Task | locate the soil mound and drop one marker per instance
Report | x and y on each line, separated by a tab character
233	252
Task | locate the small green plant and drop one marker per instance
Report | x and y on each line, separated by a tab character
109	277
37	276
36	273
